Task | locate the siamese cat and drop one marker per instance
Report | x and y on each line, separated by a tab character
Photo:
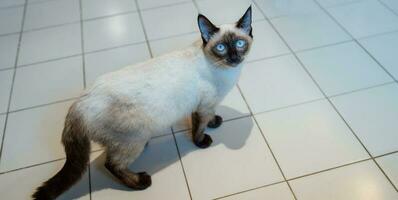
123	108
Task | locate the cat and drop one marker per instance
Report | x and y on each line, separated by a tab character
123	108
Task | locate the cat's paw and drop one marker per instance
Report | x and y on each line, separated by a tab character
144	181
206	142
215	122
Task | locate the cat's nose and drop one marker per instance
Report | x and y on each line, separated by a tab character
234	60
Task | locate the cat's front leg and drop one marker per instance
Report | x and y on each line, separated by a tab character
199	122
215	122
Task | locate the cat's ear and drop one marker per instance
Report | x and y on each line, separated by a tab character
207	29
245	22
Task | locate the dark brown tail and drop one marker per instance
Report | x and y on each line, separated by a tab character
77	148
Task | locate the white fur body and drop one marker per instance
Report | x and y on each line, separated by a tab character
140	100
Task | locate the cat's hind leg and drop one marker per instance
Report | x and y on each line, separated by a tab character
117	160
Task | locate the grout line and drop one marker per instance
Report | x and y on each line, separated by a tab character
8	34
50	26
184	34
109	16
30	166
362	89
182	164
353	132
169	5
13	80
42	105
330	169
377	61
173	134
82	44
268	57
289	106
165	6
227	120
196	5
386	154
5	69
89	179
11	6
354	39
266	142
90	19
316	83
313	173
345	4
143	28
42	163
231	119
388	7
244	191
84	82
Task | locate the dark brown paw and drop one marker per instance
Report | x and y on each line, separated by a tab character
215	122
144	181
206	142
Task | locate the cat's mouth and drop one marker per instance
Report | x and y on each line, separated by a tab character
234	62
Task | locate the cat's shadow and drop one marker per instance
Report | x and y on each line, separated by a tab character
162	152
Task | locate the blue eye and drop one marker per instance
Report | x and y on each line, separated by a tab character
240	43
220	47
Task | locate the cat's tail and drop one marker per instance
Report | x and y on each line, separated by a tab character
77	149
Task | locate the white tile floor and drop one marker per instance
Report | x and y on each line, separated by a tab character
314	116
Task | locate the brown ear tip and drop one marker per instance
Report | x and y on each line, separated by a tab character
201	16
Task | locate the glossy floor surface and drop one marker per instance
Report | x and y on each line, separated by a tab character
314	116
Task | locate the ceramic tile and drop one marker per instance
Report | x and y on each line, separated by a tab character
100	8
294	133
236	9
8	3
2	124
50	13
48	44
282	8
5	88
27	180
8	50
359	181
32	88
233	106
392	4
112	32
163	46
338	72
275	83
145	4
38	134
11	20
311	30
378	106
389	164
266	42
365	18
159	159
382	48
102	62
333	3
168	21
237	147
280	191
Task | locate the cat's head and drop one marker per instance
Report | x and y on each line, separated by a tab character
227	45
